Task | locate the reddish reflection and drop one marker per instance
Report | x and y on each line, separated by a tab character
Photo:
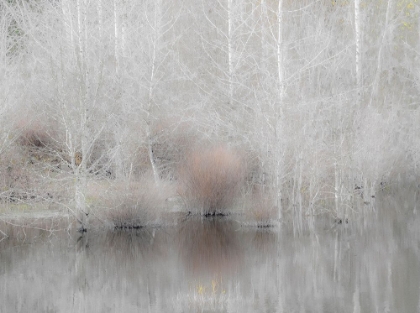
209	246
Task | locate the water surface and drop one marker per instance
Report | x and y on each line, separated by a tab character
217	265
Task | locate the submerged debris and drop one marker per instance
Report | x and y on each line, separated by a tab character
128	227
265	225
212	214
340	221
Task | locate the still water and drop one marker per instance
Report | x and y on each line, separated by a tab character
217	265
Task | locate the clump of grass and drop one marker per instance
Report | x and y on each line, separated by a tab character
211	179
132	205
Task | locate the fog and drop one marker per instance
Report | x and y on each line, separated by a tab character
299	118
316	97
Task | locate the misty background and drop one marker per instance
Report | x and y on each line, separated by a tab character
319	99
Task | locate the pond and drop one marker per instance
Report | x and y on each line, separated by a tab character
218	265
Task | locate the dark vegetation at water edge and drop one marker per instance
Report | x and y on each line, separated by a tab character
122	115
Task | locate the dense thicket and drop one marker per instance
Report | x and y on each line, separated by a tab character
319	98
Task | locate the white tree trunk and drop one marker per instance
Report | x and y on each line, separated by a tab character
358	35
68	22
230	51
279	108
116	38
337	185
280	54
80	170
100	18
151	155
80	31
386	34
155	44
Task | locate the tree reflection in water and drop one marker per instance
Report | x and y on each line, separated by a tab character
215	265
209	246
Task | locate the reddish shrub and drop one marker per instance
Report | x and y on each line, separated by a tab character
33	134
211	179
131	204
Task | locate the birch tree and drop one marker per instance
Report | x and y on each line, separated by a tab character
70	83
358	50
227	40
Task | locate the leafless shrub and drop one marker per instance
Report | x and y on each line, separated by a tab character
257	174
260	208
19	228
34	137
15	179
34	134
211	179
40	141
171	141
131	205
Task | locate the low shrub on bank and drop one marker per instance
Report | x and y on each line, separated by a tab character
40	138
261	209
16	182
132	205
211	178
